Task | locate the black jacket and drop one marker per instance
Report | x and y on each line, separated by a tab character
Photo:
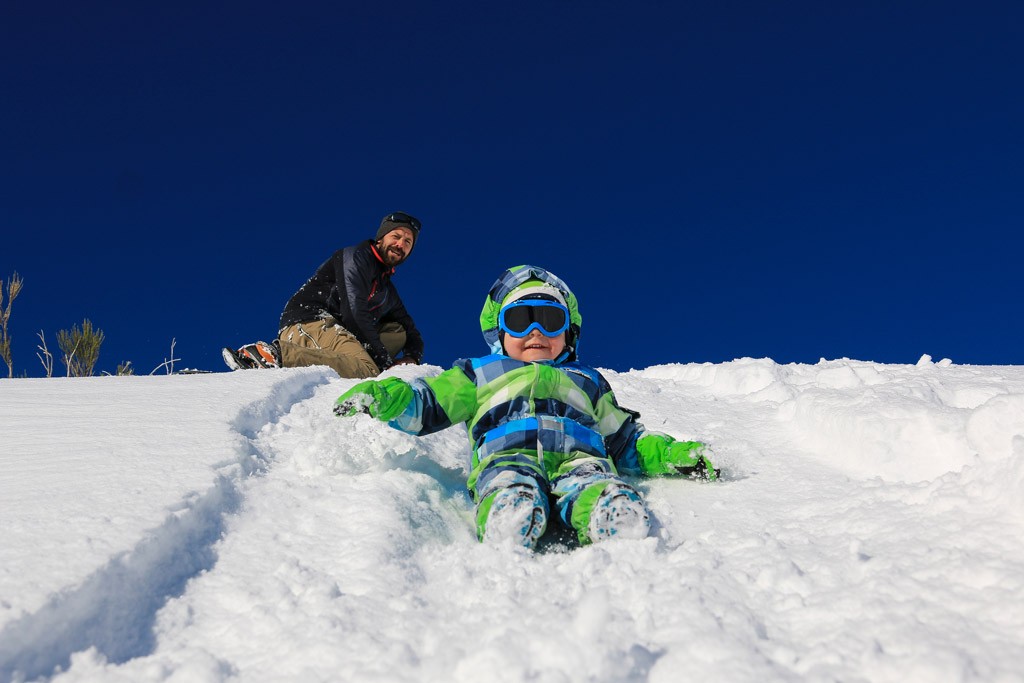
354	287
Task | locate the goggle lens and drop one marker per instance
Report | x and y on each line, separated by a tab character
522	317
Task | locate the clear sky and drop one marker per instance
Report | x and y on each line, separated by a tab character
715	180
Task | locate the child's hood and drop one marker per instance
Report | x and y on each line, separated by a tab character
523	277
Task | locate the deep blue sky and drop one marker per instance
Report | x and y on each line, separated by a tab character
715	180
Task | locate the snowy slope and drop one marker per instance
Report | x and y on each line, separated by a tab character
228	527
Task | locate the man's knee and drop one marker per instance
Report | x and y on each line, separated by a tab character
350	361
393	337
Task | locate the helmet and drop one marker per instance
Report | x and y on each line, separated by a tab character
522	280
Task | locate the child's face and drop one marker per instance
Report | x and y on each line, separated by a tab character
534	346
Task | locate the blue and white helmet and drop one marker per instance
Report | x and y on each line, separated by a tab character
522	281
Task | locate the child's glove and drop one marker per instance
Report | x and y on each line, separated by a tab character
384	399
662	455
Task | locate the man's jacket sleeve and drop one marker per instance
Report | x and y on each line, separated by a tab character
357	276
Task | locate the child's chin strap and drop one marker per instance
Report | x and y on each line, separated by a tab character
570	350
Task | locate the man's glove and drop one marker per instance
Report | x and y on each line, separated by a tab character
662	455
383	399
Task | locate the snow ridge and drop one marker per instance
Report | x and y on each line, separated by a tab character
115	609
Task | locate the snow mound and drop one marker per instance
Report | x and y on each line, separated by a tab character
228	527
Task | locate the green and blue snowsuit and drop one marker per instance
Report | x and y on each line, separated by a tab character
553	426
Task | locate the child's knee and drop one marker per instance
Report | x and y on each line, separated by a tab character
504	475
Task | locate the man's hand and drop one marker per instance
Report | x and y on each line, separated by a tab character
384	399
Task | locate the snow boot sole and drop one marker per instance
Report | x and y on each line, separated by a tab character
257	355
235	361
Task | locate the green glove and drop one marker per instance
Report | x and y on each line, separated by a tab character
384	399
660	455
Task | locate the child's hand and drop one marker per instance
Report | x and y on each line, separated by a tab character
384	399
663	455
690	458
702	469
350	404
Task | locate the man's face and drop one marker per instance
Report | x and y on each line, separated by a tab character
395	246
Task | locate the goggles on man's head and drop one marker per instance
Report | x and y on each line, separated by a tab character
403	217
522	317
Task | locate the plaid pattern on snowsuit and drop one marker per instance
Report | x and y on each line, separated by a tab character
555	427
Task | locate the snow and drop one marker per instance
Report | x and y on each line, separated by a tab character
227	527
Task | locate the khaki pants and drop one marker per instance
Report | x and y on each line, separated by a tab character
325	342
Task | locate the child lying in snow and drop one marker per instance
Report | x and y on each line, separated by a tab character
541	423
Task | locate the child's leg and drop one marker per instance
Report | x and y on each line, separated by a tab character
512	503
597	504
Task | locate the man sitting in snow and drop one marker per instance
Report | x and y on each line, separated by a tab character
541	424
349	315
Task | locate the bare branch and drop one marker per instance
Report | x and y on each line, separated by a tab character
168	363
46	358
13	289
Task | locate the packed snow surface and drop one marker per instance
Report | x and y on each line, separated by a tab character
227	527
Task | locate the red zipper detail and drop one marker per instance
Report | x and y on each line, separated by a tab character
391	271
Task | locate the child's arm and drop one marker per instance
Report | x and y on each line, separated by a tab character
384	399
423	407
637	451
660	454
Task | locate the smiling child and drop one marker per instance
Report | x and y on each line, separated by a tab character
544	427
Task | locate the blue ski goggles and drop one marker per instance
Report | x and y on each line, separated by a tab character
522	317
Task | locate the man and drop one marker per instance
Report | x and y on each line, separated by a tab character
349	315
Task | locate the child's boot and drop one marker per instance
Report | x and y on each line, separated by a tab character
619	513
515	513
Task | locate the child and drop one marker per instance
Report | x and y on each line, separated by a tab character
541	424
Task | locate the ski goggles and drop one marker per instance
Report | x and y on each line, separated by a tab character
402	218
522	317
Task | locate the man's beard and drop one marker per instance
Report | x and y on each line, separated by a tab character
393	256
